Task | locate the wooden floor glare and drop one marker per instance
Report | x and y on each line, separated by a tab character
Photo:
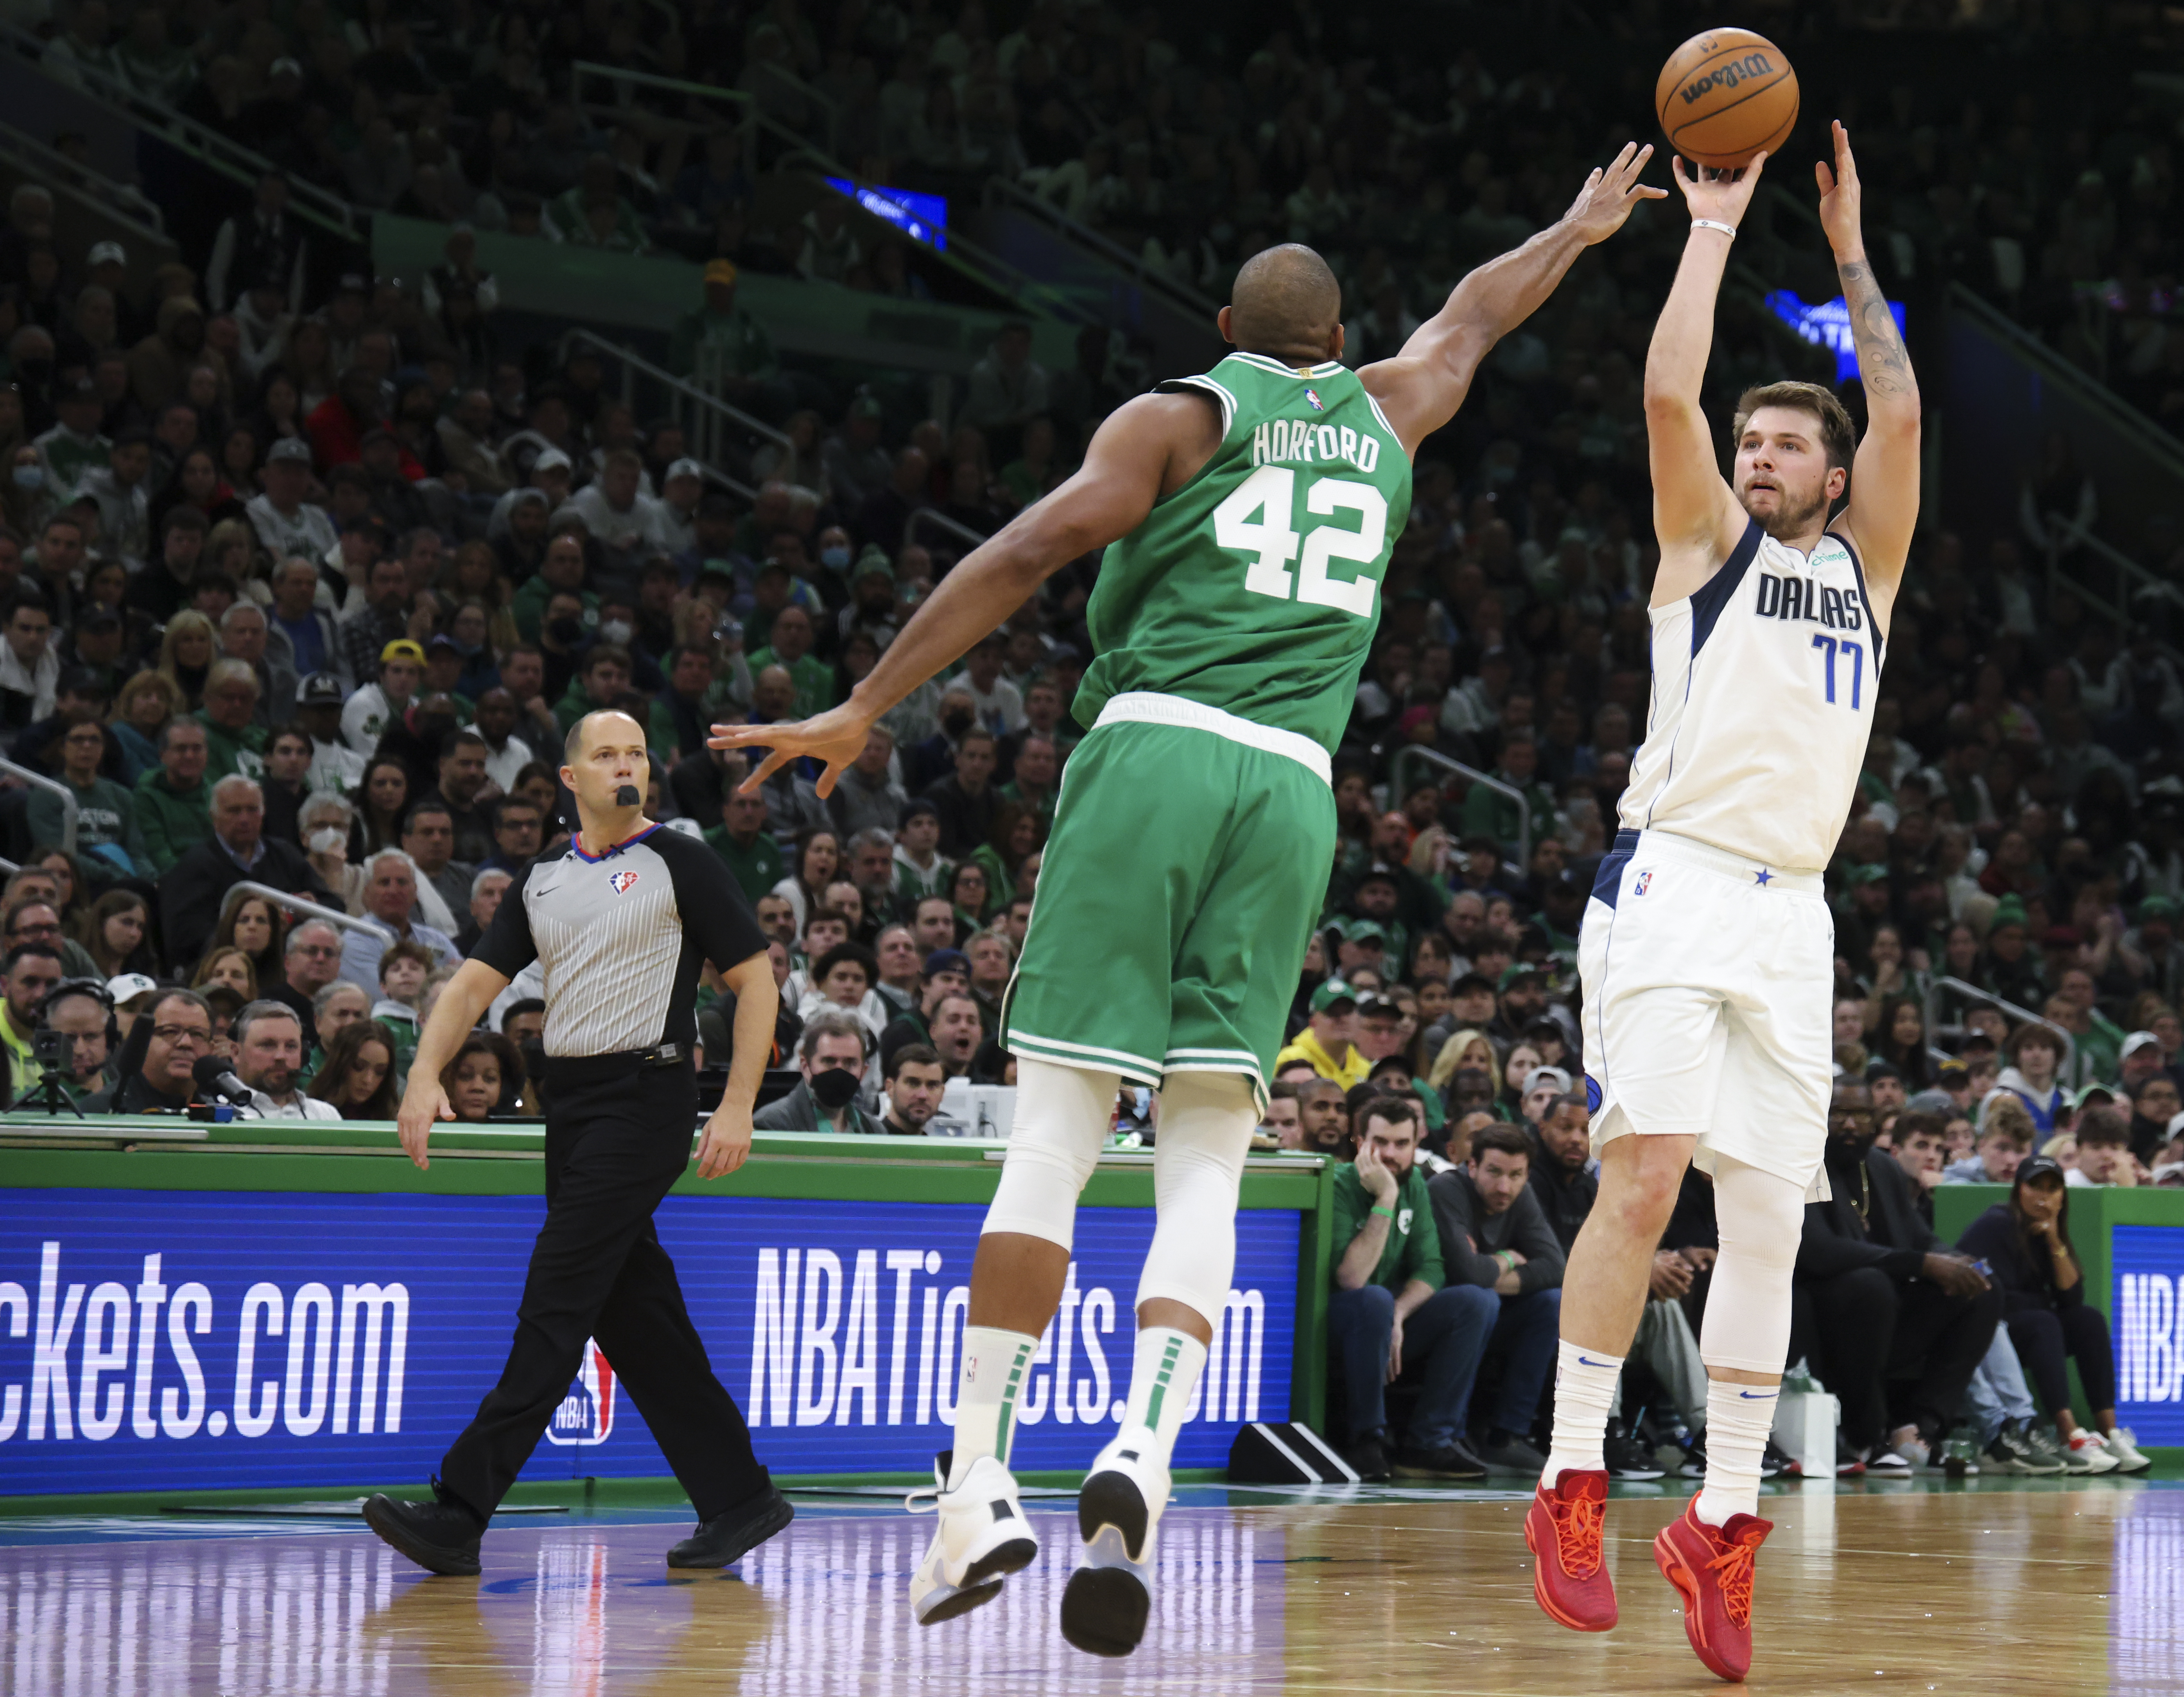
1981	1592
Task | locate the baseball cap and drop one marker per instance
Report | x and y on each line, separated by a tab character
2138	1040
290	66
2010	910
402	649
2156	907
82	680
1365	931
1953	1071
720	271
289	447
1368	1005
2092	1093
920	807
872	563
441	639
106	253
2039	1166
683	468
865	407
947	961
1518	970
1932	1102
1548	1074
1328	994
321	689
717	568
1872	872
551	459
129	986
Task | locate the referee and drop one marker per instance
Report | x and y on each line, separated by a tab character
622	923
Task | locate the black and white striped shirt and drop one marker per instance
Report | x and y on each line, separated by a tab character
622	937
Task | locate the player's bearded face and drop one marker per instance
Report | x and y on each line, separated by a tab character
1786	501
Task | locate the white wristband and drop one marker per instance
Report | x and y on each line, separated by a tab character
1728	230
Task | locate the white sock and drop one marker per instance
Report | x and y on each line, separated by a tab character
1163	1371
1738	1420
994	1363
1584	1391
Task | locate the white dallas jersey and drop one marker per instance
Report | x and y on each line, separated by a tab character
1764	686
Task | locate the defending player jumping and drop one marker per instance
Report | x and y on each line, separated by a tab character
1251	513
1708	951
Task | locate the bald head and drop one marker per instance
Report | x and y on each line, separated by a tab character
610	721
1285	303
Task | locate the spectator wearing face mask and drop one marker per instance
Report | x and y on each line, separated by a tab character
831	1056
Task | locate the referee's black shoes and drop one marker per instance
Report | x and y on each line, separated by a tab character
733	1533
441	1537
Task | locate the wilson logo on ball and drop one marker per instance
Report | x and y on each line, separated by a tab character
1728	77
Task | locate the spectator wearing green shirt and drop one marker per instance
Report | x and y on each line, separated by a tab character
1388	1317
722	349
789	648
741	839
601	682
173	802
233	743
1489	813
105	812
561	569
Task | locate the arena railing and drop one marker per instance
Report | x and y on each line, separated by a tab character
40	781
186	135
311	910
123	203
2024	1016
1403	758
706	420
930	518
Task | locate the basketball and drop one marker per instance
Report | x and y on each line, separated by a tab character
1724	95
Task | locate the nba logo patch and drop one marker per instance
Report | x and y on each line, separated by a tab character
1644	883
1318	405
622	880
586	1415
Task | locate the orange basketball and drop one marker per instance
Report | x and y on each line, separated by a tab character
1724	95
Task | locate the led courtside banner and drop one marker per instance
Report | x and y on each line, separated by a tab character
157	1340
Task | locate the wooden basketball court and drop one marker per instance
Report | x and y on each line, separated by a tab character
1982	1587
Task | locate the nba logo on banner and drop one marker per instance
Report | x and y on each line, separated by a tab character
1645	882
587	1414
622	881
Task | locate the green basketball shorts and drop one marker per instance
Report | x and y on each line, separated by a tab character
1177	896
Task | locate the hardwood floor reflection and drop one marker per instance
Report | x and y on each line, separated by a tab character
2053	1590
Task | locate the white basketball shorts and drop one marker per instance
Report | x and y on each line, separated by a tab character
1707	979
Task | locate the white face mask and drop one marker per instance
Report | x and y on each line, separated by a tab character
326	839
617	630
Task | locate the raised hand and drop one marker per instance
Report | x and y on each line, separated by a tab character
1721	196
1608	195
1840	199
836	736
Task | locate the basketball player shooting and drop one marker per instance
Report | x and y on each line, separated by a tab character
1248	516
1707	950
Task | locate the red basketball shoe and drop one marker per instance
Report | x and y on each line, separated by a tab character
1563	1531
1712	1568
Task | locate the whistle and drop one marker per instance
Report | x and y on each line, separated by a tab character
627	796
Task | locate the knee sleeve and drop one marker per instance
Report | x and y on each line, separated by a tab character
1062	1117
1761	1219
1205	1123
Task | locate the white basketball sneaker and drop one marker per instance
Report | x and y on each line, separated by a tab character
982	1539
1106	1606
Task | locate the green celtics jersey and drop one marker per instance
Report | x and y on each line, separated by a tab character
1255	587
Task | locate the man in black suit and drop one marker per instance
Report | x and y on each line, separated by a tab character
237	851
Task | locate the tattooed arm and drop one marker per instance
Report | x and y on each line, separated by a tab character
1883	485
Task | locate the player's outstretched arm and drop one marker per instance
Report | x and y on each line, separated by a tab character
1884	486
1694	512
1146	448
1422	386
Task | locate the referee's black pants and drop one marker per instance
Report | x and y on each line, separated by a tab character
617	1137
